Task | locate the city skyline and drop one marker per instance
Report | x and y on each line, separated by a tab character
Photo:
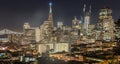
15	13
59	32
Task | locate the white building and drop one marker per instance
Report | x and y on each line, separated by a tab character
60	25
86	21
53	47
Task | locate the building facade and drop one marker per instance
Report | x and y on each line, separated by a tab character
106	24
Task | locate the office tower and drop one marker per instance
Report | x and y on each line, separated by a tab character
105	13
75	23
47	28
86	21
87	15
31	34
106	24
60	25
49	23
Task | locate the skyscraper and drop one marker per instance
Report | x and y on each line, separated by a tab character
75	23
86	18
60	24
106	24
105	13
86	21
47	27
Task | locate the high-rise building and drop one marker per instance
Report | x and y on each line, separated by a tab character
75	23
86	21
105	13
31	33
60	25
50	17
106	24
47	27
86	18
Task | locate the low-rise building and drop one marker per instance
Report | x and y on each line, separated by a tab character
52	47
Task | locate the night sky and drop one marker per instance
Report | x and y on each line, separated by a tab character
13	13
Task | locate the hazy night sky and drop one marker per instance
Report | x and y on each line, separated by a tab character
13	13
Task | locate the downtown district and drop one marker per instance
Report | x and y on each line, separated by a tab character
81	43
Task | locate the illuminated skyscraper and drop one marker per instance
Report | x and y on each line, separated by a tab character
86	18
86	21
31	33
106	24
47	27
60	25
105	13
50	19
75	23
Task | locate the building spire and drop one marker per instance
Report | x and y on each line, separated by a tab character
90	10
50	4
50	18
84	8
